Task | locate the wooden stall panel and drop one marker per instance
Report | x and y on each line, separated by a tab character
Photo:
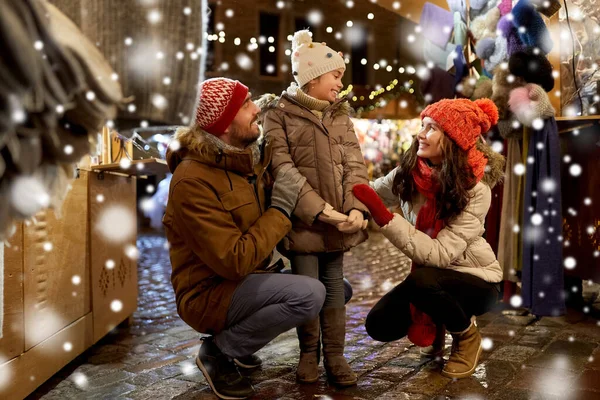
12	339
56	266
22	375
113	231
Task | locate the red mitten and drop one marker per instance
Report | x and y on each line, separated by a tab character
422	330
369	198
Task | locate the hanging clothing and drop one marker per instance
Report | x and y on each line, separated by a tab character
509	239
542	224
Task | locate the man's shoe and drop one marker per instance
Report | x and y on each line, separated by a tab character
248	362
221	374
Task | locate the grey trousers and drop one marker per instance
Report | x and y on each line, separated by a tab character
266	305
326	267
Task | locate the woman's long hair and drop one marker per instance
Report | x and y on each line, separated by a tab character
454	176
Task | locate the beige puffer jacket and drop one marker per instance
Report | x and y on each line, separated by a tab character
327	153
459	245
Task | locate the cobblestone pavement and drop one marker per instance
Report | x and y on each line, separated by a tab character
153	358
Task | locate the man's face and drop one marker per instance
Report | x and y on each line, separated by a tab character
244	130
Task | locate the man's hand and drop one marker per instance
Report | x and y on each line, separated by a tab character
287	186
354	224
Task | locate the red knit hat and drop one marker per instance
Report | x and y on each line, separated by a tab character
463	121
219	100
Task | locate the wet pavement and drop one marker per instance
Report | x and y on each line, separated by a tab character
153	357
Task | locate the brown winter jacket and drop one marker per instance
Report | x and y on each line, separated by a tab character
216	225
327	153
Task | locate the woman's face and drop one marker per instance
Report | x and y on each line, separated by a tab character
430	141
327	86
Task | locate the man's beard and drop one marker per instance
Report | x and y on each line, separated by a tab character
243	136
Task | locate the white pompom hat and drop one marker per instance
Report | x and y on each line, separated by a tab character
311	60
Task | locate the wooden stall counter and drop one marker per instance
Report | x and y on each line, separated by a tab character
67	281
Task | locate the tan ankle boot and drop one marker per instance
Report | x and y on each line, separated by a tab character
466	349
439	344
308	365
333	328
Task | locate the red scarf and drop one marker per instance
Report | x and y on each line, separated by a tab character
422	330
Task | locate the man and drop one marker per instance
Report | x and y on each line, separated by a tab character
222	235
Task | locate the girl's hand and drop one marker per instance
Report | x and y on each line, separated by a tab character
369	198
332	217
355	223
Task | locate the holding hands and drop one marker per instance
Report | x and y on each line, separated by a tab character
355	223
344	223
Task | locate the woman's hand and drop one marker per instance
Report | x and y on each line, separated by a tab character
369	198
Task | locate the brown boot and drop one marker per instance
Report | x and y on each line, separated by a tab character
439	344
466	349
333	327
308	366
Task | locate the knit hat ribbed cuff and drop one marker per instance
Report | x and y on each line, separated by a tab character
315	72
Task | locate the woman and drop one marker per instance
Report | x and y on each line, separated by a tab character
443	185
310	128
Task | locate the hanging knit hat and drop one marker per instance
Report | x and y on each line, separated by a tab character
463	120
311	60
492	50
529	103
219	100
531	27
533	68
505	6
508	30
485	25
436	24
458	6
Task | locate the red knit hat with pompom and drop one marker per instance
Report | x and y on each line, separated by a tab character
463	121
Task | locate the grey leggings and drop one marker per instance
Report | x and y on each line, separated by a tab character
326	267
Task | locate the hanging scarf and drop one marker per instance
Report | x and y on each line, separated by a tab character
422	330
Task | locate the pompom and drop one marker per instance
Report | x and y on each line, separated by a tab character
485	48
482	89
301	37
529	103
521	105
489	108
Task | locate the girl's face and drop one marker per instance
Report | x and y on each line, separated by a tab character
430	141
327	86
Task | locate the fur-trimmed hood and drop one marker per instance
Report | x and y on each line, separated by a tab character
494	170
195	143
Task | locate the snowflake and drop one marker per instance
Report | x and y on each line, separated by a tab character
116	224
116	305
516	301
570	263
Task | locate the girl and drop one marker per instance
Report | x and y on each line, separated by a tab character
443	185
311	129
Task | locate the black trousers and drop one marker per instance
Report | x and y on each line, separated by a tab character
448	297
